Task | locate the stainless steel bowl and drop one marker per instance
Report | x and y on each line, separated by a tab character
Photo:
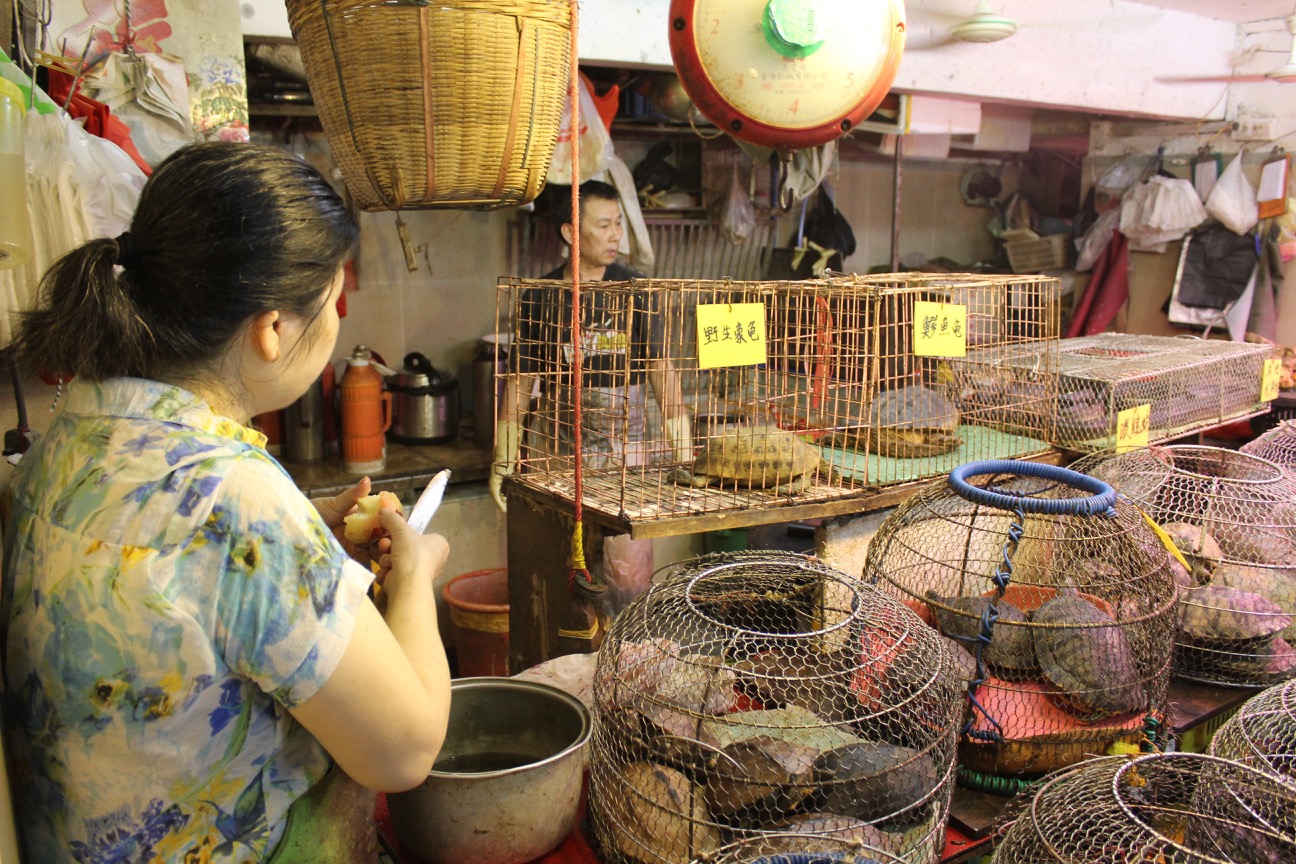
507	784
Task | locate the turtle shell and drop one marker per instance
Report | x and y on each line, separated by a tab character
1275	585
1092	663
1011	650
873	780
1218	613
1198	546
760	457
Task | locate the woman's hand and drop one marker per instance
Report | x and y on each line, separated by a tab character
334	510
411	559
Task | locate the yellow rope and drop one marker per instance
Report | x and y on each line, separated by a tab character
578	548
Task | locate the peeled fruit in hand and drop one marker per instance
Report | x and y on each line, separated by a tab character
363	526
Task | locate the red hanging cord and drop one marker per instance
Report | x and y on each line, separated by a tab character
578	534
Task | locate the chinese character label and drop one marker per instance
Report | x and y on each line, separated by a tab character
940	329
1269	380
730	334
1132	427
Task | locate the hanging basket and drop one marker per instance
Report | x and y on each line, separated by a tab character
454	104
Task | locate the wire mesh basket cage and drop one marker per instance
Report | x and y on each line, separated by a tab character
1057	600
798	848
798	392
451	104
1233	518
1187	385
1262	733
1170	808
1278	445
743	697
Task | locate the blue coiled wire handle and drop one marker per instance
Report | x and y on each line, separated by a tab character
1101	500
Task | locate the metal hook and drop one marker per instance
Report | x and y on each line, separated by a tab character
783	192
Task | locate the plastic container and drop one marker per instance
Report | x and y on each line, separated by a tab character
15	227
479	615
366	415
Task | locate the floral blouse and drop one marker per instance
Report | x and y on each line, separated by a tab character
168	593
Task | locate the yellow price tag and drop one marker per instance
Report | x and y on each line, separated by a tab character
1132	426
1167	542
730	334
1269	380
940	329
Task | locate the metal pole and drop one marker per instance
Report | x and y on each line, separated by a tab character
895	211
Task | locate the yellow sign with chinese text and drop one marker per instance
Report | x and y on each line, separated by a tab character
730	334
1132	426
1269	380
940	329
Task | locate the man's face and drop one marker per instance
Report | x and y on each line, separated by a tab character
600	232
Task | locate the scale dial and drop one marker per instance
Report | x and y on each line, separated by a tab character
786	73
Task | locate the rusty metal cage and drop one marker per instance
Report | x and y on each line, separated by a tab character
1278	445
838	397
1056	598
1170	808
743	698
1233	518
1262	733
1188	385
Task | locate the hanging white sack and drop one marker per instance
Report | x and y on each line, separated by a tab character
1159	211
1233	200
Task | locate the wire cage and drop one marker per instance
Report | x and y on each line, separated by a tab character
1278	445
1262	733
798	848
1188	385
1056	598
1233	518
799	392
743	698
1171	808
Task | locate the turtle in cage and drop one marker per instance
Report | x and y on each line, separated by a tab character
1060	598
756	457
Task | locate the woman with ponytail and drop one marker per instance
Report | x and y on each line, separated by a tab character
193	671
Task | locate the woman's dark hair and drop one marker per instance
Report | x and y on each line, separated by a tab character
222	232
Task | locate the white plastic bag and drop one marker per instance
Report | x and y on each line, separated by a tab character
1113	184
595	143
1159	211
1233	200
737	216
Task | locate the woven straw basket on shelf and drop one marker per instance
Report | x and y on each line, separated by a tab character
453	104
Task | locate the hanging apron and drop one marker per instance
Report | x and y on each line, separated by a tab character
333	822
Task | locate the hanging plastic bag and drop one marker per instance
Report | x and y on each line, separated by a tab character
627	569
595	143
1093	244
737	216
1159	211
1233	200
1112	185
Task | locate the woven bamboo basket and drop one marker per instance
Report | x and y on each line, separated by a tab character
455	104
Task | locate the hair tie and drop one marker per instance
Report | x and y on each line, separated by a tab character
127	252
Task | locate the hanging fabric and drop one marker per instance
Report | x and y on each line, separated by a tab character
1107	291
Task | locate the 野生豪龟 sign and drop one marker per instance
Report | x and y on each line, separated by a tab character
730	334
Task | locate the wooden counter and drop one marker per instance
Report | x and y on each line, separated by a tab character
409	467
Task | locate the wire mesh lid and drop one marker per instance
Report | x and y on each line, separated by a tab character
1278	445
1173	808
793	848
1262	733
750	694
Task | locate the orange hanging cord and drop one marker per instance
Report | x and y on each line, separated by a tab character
579	567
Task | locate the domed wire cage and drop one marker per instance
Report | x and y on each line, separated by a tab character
1278	445
796	848
1262	733
1233	517
1056	598
1169	808
745	695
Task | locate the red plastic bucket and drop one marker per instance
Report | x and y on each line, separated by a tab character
479	615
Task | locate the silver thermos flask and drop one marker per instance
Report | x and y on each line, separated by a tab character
303	426
490	363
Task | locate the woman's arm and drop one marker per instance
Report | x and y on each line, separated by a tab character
382	714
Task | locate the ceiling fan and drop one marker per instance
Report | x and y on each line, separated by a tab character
1284	74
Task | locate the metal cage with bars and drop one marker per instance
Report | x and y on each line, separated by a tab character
798	391
1187	384
750	697
1233	518
1055	597
1262	732
1278	445
1170	808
